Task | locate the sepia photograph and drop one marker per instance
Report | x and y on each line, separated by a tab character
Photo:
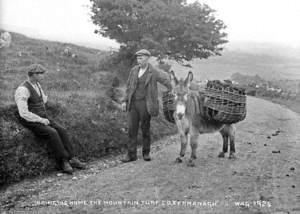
150	106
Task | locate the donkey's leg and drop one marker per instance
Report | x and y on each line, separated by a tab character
231	135
183	140
224	133
183	131
194	145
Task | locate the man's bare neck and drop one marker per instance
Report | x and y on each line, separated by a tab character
32	81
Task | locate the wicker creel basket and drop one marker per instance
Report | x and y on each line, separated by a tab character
168	102
224	103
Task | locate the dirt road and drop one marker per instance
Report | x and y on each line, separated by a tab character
265	177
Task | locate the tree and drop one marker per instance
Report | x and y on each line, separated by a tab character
168	28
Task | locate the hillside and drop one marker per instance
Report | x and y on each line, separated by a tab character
78	89
24	51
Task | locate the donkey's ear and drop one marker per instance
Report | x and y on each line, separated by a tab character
174	80
189	78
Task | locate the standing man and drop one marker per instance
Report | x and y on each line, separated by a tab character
30	100
141	102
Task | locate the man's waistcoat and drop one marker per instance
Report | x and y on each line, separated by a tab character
141	91
35	101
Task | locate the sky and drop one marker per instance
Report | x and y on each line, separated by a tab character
272	21
260	20
60	20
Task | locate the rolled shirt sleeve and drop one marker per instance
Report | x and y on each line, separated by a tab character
21	97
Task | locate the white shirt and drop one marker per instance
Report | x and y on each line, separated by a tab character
21	97
142	71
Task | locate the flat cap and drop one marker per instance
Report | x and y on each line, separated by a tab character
143	52
36	69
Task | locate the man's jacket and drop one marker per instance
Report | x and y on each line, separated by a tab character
153	76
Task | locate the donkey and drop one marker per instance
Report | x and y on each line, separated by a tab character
191	122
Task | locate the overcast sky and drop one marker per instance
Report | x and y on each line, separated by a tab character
69	20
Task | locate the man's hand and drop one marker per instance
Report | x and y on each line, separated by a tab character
123	106
46	122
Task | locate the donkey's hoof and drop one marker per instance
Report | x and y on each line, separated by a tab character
178	160
191	163
232	156
221	155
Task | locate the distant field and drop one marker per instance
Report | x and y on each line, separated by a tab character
294	105
269	66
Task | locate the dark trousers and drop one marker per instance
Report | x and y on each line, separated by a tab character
138	114
55	135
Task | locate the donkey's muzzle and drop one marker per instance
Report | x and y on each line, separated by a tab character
179	116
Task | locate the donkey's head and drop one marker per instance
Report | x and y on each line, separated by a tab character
181	92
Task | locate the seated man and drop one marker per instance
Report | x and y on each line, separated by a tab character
30	100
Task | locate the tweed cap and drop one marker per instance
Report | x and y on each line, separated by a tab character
35	69
143	52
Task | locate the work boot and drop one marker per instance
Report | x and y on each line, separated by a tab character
128	158
77	163
146	147
66	167
146	157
